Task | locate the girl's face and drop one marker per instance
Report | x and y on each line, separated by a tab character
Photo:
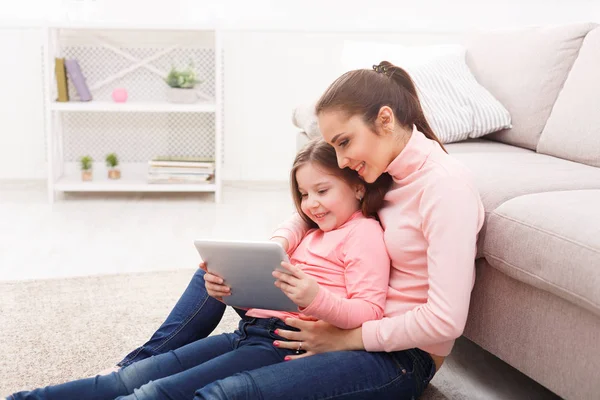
356	145
326	198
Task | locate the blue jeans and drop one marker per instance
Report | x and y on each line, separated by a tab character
347	375
339	375
177	374
194	317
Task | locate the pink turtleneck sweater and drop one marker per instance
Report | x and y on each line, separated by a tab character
431	220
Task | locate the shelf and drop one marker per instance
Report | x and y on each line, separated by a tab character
133	179
99	106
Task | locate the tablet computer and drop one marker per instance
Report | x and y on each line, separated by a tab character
246	268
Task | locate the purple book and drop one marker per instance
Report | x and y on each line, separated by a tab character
78	80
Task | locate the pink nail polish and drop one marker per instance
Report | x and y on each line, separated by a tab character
287	358
276	343
277	331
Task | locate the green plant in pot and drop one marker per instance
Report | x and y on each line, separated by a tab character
111	163
86	168
181	85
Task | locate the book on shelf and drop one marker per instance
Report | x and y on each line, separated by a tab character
167	178
78	80
182	162
61	80
181	170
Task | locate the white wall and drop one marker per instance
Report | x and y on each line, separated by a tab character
277	55
22	142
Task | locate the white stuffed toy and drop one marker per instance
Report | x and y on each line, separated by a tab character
305	118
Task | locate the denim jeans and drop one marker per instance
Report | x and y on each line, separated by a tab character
194	317
177	374
337	375
348	375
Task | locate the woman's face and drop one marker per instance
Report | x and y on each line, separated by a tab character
356	145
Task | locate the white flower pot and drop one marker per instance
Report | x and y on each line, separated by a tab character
179	95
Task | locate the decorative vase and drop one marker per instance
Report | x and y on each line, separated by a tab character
114	173
120	95
87	175
181	95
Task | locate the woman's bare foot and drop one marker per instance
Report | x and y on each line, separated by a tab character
109	370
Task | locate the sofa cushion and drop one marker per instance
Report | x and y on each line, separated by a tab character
525	69
483	146
573	128
550	241
503	172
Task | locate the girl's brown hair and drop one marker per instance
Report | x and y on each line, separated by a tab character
364	92
323	154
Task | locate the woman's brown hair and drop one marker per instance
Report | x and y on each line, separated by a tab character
321	153
364	91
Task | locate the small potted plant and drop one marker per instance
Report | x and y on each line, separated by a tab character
181	85
86	168
111	163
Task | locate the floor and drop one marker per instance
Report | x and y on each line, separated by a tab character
88	234
94	234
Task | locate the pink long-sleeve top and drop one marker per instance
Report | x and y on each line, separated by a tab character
352	267
431	220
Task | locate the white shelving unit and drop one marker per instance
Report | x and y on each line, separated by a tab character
147	125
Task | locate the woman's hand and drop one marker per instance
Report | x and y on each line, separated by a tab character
318	337
300	287
214	284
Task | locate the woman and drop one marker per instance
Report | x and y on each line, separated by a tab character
375	123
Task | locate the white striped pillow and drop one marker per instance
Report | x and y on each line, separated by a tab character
455	104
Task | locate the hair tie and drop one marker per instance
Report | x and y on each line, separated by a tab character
382	69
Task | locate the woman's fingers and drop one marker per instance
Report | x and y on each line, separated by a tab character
296	356
203	266
289	335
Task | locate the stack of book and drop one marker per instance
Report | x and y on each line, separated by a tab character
181	170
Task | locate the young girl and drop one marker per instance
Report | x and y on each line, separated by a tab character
339	274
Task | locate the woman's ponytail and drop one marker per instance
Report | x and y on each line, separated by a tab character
406	84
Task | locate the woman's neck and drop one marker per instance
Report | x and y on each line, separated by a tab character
400	139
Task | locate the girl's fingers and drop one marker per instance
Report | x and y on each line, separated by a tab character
212	278
203	266
294	270
287	278
221	290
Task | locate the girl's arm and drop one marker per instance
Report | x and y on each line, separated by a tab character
293	230
367	274
452	215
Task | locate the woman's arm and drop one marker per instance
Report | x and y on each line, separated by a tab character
367	272
452	215
293	230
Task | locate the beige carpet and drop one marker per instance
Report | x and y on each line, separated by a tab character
53	331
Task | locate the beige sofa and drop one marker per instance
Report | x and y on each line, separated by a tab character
536	301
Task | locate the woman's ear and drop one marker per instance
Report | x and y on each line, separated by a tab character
359	192
385	119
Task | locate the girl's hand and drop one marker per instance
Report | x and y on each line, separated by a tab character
298	286
318	337
214	284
